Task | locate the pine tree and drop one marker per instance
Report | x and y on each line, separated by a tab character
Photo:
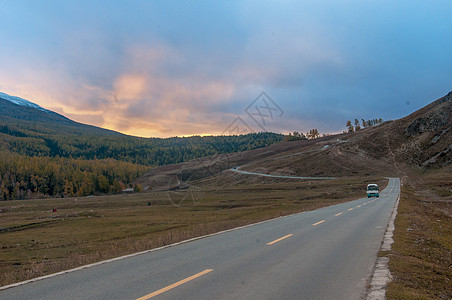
350	126
357	127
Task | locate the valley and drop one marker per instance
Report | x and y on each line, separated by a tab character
226	190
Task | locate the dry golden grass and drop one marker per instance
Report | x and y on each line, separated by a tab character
421	257
36	241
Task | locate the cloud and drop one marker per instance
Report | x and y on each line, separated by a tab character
190	80
130	87
161	69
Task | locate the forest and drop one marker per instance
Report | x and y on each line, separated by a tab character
35	139
25	177
37	162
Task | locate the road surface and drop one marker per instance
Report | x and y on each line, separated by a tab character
237	170
328	253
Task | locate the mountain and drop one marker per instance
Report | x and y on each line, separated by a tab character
15	110
421	141
28	129
21	102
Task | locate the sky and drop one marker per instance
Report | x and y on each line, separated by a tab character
180	68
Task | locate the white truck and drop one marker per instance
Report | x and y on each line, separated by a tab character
372	190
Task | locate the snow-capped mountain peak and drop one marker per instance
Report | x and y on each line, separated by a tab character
21	102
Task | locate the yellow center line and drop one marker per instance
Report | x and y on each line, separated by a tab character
318	223
350	208
338	214
165	289
275	241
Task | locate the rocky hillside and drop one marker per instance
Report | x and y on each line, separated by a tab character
422	140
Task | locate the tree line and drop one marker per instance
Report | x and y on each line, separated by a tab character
144	151
35	164
299	136
25	177
358	125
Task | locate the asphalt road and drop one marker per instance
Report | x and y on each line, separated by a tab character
237	170
328	253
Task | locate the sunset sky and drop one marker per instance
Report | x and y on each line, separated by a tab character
167	68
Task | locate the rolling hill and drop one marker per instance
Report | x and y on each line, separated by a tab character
419	142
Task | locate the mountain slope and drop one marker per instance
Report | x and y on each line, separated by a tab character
422	140
28	129
21	102
31	116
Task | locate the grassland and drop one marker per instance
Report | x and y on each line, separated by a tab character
421	257
36	241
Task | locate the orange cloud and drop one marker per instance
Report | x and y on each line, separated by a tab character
153	94
130	87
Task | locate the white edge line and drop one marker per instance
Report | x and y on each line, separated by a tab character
142	252
377	286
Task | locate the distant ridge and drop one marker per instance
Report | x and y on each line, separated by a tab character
14	109
28	129
21	102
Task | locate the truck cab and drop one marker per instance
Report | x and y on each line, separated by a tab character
372	190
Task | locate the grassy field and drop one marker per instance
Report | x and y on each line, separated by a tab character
36	241
421	257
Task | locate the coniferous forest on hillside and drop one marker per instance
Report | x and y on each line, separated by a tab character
39	161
